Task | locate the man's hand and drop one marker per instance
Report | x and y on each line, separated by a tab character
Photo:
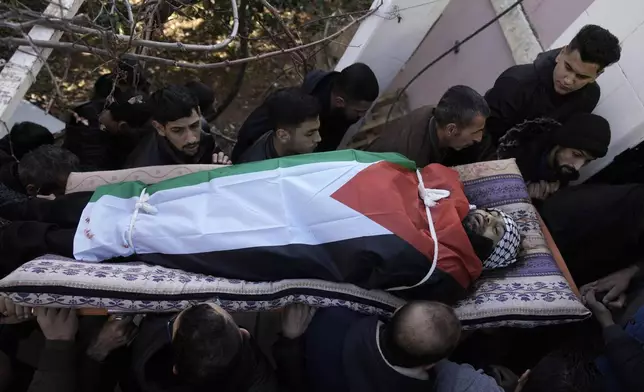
221	159
522	381
12	313
116	333
614	284
295	319
57	324
601	312
542	189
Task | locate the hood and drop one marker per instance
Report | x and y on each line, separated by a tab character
314	78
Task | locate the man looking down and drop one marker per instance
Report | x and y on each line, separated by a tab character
550	155
295	115
178	138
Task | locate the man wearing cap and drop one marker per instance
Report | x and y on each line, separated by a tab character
550	154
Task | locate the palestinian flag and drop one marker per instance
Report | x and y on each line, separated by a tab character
343	216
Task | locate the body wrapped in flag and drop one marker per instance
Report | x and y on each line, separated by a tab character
342	216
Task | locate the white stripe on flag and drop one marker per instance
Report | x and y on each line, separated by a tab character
270	208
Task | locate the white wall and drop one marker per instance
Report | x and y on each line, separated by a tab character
622	85
387	39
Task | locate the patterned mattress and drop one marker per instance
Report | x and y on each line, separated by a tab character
530	293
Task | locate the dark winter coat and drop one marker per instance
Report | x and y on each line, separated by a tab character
261	150
155	150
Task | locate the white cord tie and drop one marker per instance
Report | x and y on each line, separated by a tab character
430	198
141	205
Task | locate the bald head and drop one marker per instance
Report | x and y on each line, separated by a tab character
420	334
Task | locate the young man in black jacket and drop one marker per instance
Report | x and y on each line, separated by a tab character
344	98
178	138
295	115
560	83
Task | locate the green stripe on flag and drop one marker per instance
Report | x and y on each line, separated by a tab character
127	190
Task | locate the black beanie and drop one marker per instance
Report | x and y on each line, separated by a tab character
586	132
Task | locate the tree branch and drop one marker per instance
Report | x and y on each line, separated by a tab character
73	47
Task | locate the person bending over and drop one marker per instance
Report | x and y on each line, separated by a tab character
104	134
295	115
206	97
23	138
202	346
43	171
550	154
344	97
559	84
428	135
178	138
346	351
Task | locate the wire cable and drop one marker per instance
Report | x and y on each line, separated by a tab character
450	50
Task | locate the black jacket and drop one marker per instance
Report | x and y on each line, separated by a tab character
97	149
342	355
526	92
333	124
64	211
257	124
152	363
626	356
155	150
598	228
56	369
261	150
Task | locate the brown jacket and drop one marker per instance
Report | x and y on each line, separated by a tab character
413	135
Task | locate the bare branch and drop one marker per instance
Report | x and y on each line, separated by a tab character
73	47
288	32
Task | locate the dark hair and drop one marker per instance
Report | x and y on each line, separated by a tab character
172	103
421	333
460	105
27	136
565	371
289	107
357	82
535	134
128	71
204	94
205	344
130	108
46	167
596	45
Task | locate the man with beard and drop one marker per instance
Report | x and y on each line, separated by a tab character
429	135
550	155
179	138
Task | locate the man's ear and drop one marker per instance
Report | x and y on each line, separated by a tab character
123	126
174	370
160	129
244	332
283	135
451	129
31	189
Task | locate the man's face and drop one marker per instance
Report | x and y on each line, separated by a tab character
486	223
184	134
568	162
305	138
352	110
572	74
459	139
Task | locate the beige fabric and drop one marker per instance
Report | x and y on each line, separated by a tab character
88	182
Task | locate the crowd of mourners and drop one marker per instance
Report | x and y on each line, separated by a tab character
539	114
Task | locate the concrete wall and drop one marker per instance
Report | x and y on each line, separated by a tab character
478	63
622	85
550	18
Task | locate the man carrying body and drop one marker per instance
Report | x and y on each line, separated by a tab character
295	115
178	139
344	97
559	84
346	351
550	155
428	135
